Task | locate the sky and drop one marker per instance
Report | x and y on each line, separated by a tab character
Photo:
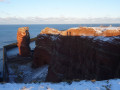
59	11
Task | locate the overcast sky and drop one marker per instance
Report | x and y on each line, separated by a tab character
59	11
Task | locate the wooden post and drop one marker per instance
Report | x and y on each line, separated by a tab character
5	69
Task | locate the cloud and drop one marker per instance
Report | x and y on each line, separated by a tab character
60	20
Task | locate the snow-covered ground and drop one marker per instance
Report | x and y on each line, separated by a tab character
24	73
113	84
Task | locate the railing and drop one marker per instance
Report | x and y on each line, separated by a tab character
5	59
5	68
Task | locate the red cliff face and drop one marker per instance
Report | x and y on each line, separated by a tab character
111	33
81	53
23	40
85	58
43	50
44	47
82	31
90	31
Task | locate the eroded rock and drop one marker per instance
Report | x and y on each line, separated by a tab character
85	58
43	50
79	53
23	41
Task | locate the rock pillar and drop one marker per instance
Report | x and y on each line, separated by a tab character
23	41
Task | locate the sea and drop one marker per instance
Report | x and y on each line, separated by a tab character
8	33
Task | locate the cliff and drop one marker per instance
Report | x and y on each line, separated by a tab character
79	53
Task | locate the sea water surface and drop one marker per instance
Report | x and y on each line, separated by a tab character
8	33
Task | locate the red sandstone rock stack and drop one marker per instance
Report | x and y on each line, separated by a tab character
73	55
23	39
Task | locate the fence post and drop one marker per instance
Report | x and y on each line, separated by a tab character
5	69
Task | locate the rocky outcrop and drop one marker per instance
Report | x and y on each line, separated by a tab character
84	31
23	40
85	58
44	46
92	31
78	53
43	50
81	31
109	33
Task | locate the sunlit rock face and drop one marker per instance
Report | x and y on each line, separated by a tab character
23	40
84	31
92	31
79	53
81	31
109	33
48	30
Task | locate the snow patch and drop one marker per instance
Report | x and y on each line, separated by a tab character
75	28
54	38
102	38
102	29
113	84
24	73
